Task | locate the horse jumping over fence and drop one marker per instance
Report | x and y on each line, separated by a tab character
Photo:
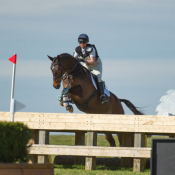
82	92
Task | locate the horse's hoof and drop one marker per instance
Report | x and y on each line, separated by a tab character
61	103
71	110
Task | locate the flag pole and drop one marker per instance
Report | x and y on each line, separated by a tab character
12	103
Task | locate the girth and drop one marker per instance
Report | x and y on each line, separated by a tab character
84	106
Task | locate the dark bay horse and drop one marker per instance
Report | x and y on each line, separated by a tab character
71	73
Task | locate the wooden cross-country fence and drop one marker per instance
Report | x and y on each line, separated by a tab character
133	129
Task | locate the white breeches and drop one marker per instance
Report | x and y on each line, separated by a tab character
96	69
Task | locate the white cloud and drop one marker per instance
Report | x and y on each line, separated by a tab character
128	69
26	68
150	69
121	9
29	7
56	16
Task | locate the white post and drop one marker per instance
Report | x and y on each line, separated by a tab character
12	103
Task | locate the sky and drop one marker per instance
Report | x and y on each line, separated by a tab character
134	38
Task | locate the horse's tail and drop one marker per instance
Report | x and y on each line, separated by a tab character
131	107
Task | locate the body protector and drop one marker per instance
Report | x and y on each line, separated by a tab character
88	50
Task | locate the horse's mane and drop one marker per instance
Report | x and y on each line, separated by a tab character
66	54
80	65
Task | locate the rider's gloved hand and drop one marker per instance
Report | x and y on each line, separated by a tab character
81	59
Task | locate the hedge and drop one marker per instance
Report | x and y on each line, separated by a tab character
14	138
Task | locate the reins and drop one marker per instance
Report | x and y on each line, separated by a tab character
62	76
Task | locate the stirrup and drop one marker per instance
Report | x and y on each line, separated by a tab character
103	99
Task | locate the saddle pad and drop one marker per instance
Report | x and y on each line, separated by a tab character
94	83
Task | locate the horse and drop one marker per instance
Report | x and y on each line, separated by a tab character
68	70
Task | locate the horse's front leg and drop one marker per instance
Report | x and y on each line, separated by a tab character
64	99
66	105
60	98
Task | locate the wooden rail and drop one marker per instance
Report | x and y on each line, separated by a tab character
94	122
129	125
90	151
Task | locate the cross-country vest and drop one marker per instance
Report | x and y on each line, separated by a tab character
87	51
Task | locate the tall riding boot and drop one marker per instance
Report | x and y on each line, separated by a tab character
103	97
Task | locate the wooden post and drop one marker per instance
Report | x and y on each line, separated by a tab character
34	140
139	141
171	135
43	139
79	140
127	142
145	147
90	162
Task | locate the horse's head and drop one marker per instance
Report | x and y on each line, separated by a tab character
56	69
60	65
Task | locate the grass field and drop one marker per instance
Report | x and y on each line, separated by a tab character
100	169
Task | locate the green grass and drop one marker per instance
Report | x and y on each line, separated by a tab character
101	141
62	140
70	140
100	169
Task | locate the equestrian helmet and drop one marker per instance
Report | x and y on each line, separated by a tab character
83	38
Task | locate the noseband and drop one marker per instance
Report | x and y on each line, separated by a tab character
55	78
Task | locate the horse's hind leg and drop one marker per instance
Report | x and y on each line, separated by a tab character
119	139
110	139
117	109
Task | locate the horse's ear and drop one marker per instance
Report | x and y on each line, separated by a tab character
50	58
58	57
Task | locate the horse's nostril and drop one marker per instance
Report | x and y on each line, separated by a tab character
56	86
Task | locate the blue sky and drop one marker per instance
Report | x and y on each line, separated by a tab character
135	40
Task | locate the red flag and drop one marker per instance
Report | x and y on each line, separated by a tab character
13	59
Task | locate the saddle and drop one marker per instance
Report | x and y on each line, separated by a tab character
95	79
95	83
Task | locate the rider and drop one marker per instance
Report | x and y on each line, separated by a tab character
89	55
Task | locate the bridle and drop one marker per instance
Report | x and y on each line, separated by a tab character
56	78
62	76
